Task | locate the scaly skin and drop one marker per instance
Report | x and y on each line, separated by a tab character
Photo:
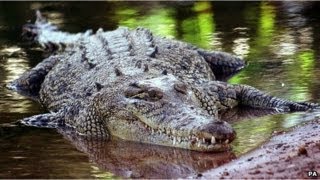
138	87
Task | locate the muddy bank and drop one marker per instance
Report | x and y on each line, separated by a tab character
286	155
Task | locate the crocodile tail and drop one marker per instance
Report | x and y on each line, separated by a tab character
40	19
48	36
252	97
31	31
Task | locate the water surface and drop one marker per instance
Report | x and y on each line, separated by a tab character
278	40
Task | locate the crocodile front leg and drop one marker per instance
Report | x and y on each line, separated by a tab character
215	96
253	97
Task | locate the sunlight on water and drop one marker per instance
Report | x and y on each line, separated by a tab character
10	50
97	173
15	67
35	6
286	48
56	18
216	42
241	47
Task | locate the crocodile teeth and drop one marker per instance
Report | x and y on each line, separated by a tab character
168	131
174	140
163	130
203	140
226	142
174	132
199	144
213	140
179	139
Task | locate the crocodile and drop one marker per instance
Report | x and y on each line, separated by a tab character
133	85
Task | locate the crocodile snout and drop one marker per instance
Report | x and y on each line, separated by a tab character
221	130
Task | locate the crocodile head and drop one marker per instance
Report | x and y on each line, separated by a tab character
165	111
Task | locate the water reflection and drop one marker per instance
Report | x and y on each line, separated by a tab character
14	67
305	37
200	28
40	153
160	20
266	27
134	160
241	47
286	46
10	50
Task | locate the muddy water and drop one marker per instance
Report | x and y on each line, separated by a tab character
280	42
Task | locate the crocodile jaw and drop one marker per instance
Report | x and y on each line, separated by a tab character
175	126
197	140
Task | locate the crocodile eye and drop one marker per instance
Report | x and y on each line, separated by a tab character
132	92
155	94
181	87
143	93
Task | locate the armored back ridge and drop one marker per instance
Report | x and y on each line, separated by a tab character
139	87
